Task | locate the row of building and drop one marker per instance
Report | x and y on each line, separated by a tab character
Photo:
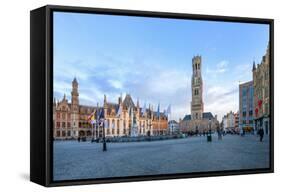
71	119
254	101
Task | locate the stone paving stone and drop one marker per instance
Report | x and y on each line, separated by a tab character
85	160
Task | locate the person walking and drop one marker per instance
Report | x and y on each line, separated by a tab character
261	133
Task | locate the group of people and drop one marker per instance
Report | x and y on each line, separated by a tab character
260	132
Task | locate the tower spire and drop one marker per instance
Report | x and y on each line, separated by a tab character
254	65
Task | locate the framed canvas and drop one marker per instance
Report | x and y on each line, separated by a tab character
126	95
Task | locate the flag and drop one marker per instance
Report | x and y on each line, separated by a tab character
119	112
101	115
143	110
91	118
169	110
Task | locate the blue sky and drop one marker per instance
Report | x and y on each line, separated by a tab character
150	58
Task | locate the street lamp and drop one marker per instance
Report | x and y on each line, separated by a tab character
103	139
209	136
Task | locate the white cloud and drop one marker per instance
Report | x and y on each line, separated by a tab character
116	84
220	68
221	99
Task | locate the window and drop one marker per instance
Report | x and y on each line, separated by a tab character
244	113
251	112
58	124
63	124
113	124
68	124
244	91
58	115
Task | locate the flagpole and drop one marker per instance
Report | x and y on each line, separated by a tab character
98	127
95	135
171	120
159	124
92	126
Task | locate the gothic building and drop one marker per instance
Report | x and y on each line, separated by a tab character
71	119
261	98
198	121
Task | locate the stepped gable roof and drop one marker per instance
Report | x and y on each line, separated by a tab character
161	114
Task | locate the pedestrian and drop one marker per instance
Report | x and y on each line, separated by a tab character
261	133
219	135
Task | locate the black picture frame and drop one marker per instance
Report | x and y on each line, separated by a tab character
41	93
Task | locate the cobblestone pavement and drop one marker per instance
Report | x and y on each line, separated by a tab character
84	160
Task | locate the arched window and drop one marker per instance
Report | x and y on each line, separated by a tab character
113	123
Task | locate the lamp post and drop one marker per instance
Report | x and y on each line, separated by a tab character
104	148
209	136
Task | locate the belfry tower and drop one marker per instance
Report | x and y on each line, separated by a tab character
74	108
197	106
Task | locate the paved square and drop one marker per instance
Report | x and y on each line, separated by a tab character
85	160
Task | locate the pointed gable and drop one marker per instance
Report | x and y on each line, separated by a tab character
128	102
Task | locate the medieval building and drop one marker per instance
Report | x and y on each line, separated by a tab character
198	121
123	118
261	81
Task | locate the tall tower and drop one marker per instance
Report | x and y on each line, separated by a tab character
74	108
197	106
